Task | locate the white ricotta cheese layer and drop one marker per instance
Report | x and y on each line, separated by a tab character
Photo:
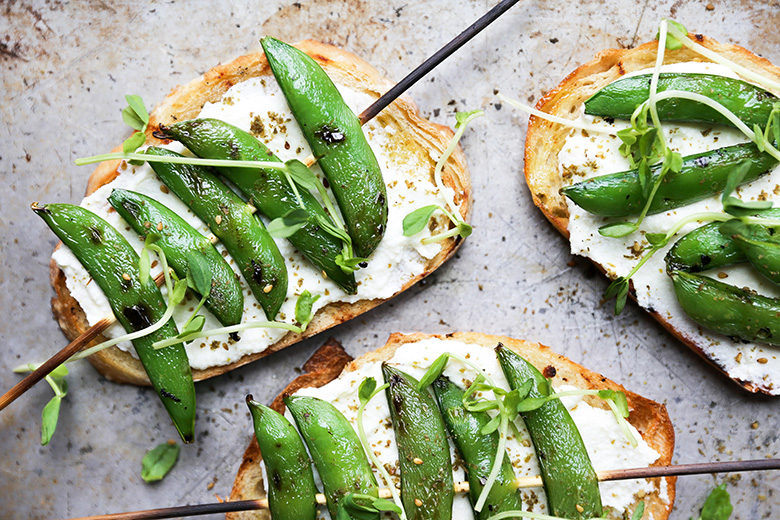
589	154
258	104
606	444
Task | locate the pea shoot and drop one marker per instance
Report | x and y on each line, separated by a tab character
717	506
51	412
159	461
418	219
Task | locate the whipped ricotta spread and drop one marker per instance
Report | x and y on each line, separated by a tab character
605	442
590	154
258	105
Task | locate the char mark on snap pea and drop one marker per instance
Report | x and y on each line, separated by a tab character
114	265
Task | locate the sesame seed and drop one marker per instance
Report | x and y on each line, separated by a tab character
218	219
159	226
579	508
417	502
126	276
762	360
417	460
268	288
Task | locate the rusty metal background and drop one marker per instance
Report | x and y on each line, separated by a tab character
65	69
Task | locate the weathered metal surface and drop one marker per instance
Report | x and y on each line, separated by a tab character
65	69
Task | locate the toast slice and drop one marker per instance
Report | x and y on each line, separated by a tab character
545	179
415	136
330	361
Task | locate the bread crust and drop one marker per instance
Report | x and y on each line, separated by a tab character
326	364
186	101
545	139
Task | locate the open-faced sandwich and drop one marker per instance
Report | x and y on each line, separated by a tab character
271	254
661	167
425	413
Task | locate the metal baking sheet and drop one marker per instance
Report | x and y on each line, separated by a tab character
65	69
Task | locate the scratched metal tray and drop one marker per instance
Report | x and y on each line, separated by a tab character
65	70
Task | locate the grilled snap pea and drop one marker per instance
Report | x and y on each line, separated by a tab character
729	310
336	139
750	103
230	219
113	264
569	479
478	451
423	450
703	248
268	189
177	240
702	175
335	449
291	489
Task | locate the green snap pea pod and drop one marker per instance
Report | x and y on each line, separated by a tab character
268	189
177	240
702	175
230	219
750	103
113	265
727	309
478	451
569	479
336	139
423	450
291	489
703	248
764	256
335	449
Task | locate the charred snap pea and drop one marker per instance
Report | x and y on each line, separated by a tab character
478	451
268	189
335	449
569	479
423	450
230	219
113	264
291	489
177	240
750	103
703	248
336	139
702	175
726	309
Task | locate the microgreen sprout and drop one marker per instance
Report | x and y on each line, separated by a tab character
575	125
51	412
158	461
367	391
671	42
718	505
136	117
418	219
355	506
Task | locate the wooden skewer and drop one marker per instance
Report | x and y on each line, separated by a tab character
369	113
460	487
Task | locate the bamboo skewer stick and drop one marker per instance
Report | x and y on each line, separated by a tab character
460	487
369	113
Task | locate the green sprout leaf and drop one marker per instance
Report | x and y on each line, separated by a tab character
530	404
366	389
639	511
491	426
288	224
59	372
672	42
349	264
418	219
302	175
158	461
464	229
656	239
383	504
303	308
619	289
178	293
718	505
136	104
134	142
49	417
434	371
199	275
195	325
137	118
618	229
